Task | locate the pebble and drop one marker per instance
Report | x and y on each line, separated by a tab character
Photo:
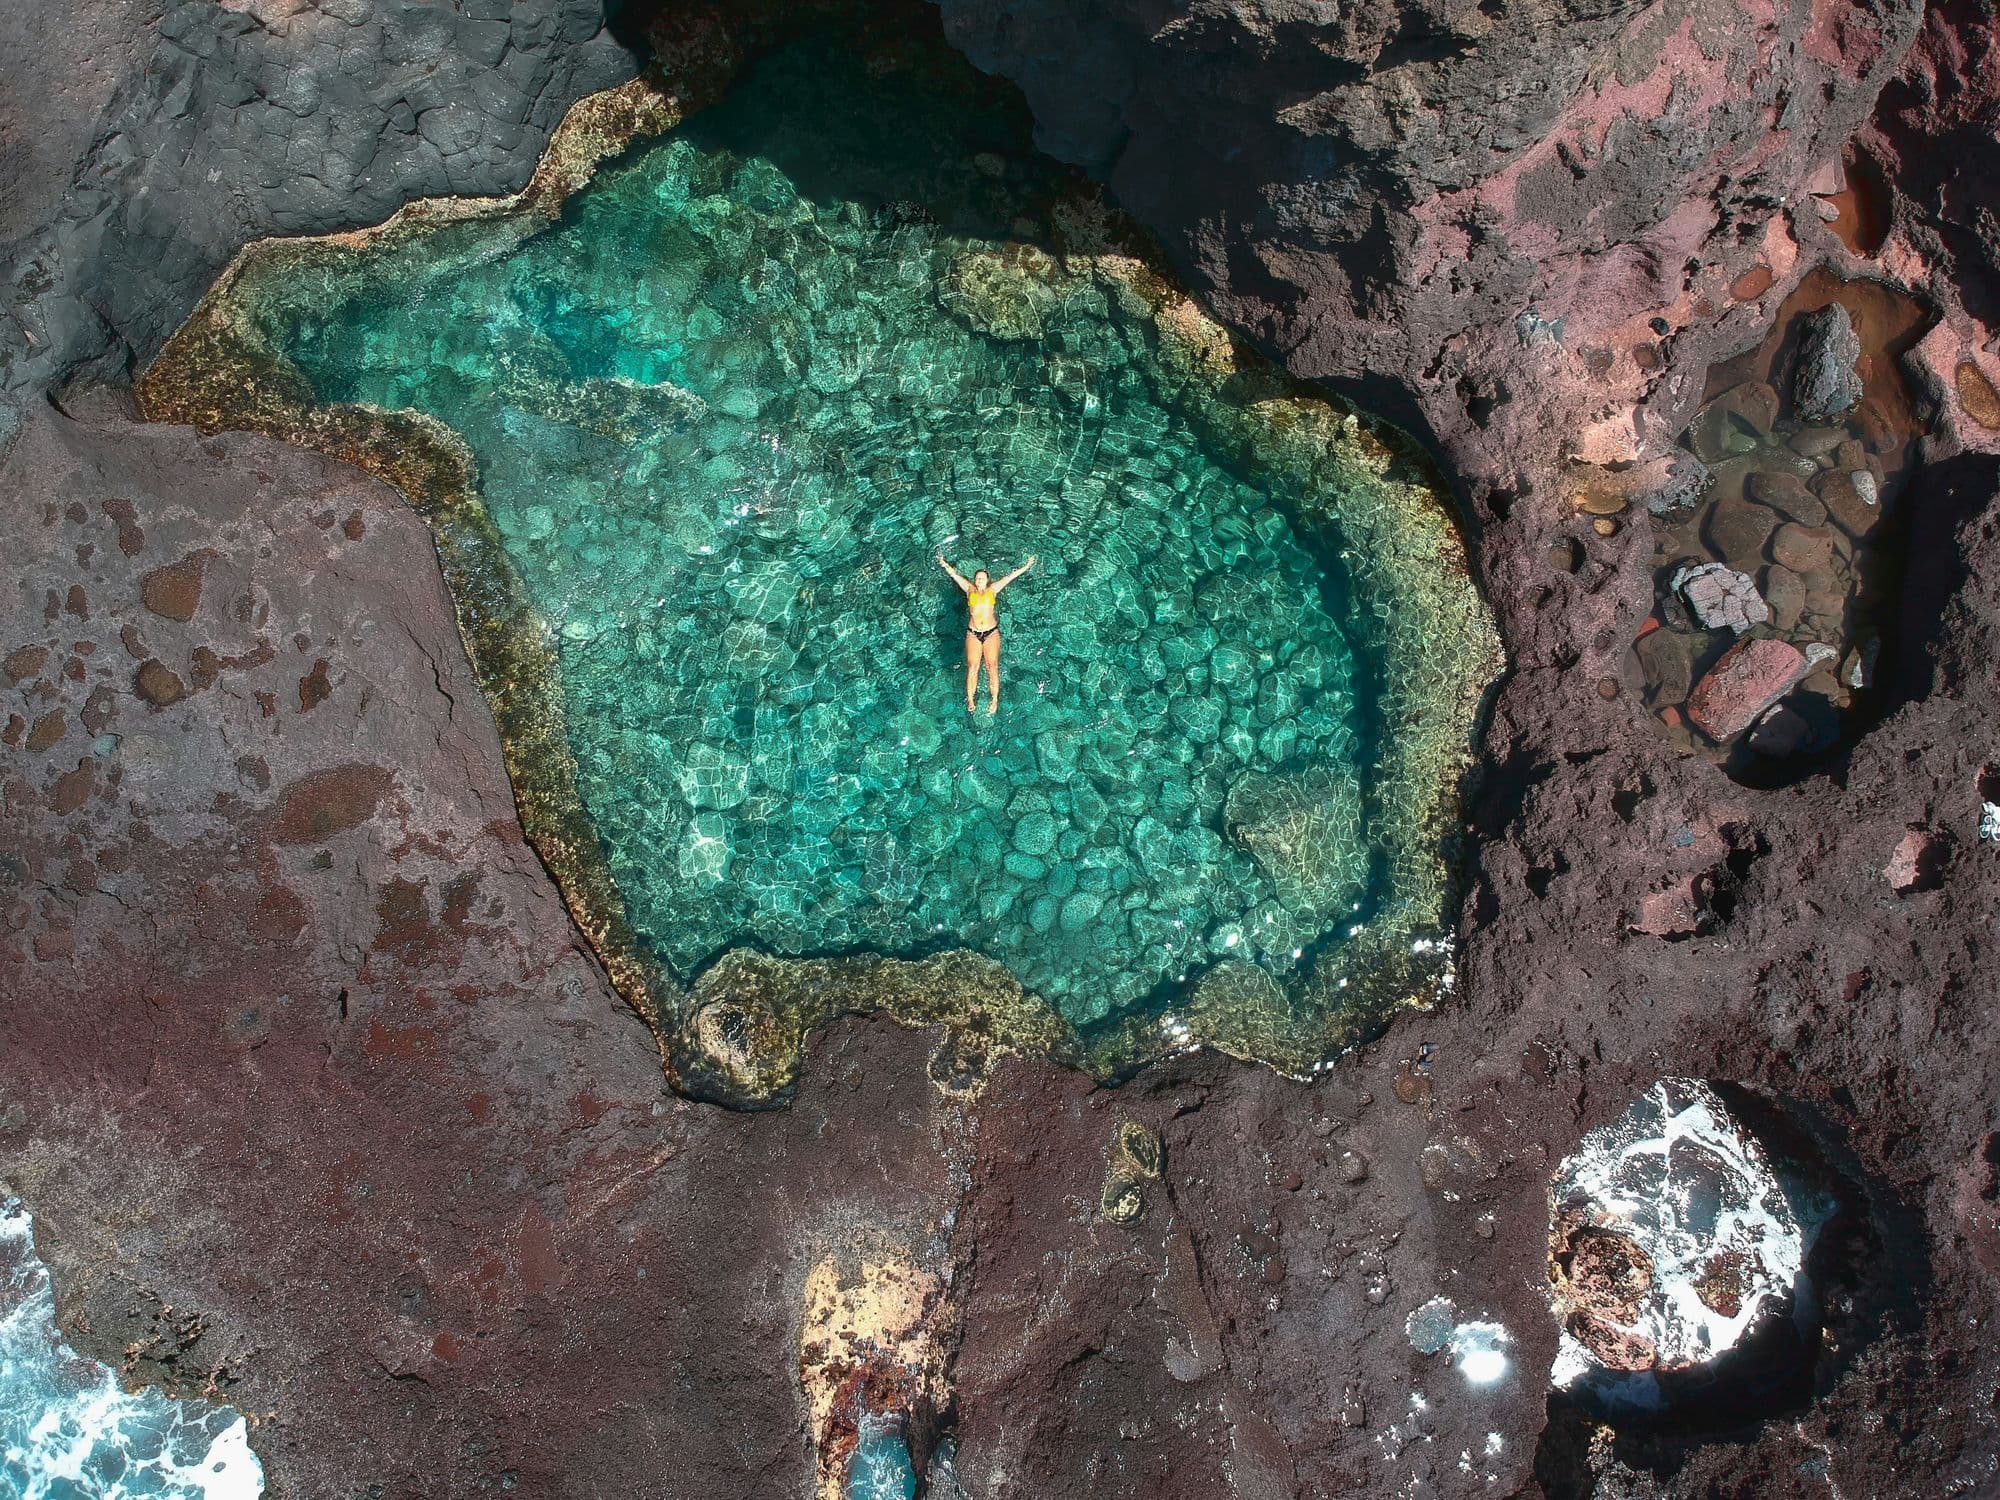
1352	1166
1738	529
1785	593
1802	548
1787	492
1813	441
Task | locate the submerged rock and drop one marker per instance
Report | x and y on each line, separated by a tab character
1302	826
1827	386
1750	677
1734	422
1719	596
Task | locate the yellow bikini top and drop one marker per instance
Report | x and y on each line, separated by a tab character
977	597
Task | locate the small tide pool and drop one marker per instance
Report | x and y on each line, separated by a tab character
881	1468
724	412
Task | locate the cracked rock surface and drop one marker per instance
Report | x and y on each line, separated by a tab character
157	140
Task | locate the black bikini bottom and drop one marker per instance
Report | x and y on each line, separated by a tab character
981	635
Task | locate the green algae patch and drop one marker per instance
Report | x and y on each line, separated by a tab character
689	428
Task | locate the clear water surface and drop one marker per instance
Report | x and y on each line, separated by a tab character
726	411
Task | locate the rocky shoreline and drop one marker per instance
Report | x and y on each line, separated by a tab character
321	1103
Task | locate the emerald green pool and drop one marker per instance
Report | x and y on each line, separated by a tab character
725	412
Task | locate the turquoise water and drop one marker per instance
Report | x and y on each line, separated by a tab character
881	1469
69	1431
726	411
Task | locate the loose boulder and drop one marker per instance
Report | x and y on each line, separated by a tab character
1721	597
1750	677
1827	385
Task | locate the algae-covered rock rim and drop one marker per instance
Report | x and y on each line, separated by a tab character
689	437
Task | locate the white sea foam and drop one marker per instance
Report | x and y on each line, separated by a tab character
1692	1187
69	1431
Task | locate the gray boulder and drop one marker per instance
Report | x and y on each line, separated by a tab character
1826	386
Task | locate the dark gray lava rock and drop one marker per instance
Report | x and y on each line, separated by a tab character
203	126
1827	386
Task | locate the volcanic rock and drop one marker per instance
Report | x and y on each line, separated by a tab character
1751	676
1787	493
1826	385
1802	548
1720	597
1739	529
1389	195
1734	422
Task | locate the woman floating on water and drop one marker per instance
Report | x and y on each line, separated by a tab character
982	629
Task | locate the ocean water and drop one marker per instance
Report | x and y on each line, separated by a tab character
725	413
881	1468
70	1431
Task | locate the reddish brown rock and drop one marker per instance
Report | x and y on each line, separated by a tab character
47	730
1673	912
25	663
158	683
1802	548
325	803
1750	677
314	688
173	592
1739	530
1846	504
1917	862
124	516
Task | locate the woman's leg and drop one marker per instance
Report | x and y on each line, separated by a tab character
992	654
972	658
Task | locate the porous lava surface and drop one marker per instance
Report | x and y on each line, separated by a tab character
320	1101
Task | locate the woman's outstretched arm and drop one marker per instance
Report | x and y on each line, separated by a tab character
956	576
1013	575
